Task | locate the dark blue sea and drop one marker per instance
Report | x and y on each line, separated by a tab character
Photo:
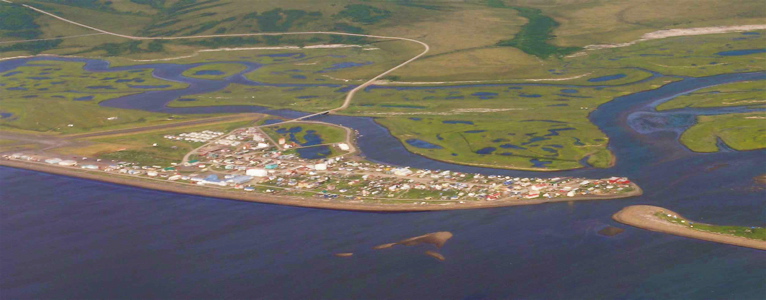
63	237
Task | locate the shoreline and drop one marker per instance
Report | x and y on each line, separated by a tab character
195	190
642	216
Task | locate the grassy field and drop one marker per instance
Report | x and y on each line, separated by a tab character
139	147
750	93
498	40
49	96
534	36
597	22
307	134
745	131
438	23
756	233
558	137
335	66
503	126
684	56
214	71
499	141
311	99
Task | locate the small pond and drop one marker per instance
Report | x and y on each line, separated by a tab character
422	144
607	78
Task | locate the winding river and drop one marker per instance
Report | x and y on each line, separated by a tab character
113	241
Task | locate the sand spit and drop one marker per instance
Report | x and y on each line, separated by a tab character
643	216
760	179
384	246
437	239
436	255
661	34
192	189
611	231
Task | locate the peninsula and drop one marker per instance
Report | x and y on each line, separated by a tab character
666	221
283	164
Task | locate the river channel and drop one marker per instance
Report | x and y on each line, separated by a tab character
67	237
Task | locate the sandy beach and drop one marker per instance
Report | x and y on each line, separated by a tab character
643	216
207	191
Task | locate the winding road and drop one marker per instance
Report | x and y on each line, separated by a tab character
349	96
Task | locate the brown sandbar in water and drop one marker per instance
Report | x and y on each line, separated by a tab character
436	255
437	239
611	231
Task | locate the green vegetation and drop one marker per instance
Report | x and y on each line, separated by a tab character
157	4
34	48
535	36
278	20
495	3
756	233
132	47
90	4
745	131
439	24
364	14
40	98
17	21
140	148
493	125
572	137
162	157
215	71
477	25
331	66
749	93
493	140
328	133
312	99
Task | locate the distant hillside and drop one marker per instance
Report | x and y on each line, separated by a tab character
476	33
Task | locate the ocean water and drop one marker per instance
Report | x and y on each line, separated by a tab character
63	237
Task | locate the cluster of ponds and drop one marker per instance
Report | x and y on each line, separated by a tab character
512	252
645	120
533	141
312	147
310	137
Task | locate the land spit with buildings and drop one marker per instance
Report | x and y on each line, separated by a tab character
247	164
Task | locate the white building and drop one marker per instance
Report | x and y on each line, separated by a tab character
67	163
257	172
53	161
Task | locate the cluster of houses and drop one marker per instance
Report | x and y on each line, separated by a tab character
254	164
196	137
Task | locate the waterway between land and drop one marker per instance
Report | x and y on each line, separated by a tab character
245	250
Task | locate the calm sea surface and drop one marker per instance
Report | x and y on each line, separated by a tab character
63	237
70	238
